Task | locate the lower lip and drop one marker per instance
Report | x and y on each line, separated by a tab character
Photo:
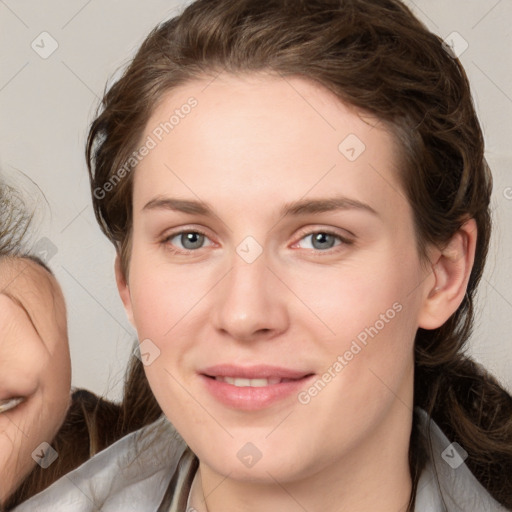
249	398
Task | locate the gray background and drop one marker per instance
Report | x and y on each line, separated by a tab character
46	105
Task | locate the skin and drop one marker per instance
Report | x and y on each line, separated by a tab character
34	363
251	145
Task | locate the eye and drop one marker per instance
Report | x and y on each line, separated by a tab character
324	240
190	240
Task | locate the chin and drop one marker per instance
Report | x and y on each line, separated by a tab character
246	463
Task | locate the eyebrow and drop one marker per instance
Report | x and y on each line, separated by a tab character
295	208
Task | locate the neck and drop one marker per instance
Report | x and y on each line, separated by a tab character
373	476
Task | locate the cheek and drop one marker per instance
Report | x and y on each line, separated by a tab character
161	300
56	394
368	323
352	296
165	313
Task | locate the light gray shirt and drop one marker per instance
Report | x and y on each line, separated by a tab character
143	469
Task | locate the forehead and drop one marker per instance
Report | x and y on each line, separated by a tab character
253	136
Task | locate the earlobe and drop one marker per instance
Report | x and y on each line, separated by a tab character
124	290
451	270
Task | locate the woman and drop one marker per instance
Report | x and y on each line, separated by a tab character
46	431
35	369
299	200
41	422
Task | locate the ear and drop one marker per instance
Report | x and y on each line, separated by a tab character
124	290
451	269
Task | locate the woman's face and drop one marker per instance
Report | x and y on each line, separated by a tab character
34	365
278	340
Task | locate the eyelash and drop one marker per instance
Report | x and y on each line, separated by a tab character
344	241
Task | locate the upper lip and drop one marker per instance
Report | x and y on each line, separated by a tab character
253	372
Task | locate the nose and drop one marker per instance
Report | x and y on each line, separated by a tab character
251	301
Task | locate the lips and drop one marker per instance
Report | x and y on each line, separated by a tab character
254	372
255	387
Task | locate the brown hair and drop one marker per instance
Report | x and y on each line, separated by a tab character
376	56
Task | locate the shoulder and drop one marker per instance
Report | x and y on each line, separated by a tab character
447	482
131	474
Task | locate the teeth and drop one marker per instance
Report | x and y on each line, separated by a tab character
254	383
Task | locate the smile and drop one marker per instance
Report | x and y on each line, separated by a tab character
253	388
